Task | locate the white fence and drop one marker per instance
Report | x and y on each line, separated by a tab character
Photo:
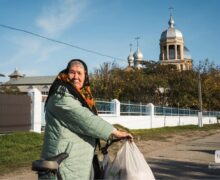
140	116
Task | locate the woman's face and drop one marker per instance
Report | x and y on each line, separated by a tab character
77	75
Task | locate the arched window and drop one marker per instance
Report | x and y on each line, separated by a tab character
178	52
172	52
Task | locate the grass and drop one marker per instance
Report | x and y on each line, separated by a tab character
18	150
166	132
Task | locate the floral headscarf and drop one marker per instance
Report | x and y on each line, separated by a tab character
84	94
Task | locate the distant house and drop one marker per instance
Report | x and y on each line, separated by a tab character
25	83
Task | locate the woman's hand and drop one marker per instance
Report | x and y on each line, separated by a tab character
122	135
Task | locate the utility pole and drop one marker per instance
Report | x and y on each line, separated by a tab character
200	101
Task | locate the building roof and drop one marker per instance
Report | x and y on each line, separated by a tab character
32	80
138	55
130	57
171	32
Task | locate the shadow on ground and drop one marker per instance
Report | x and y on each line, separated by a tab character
204	151
171	169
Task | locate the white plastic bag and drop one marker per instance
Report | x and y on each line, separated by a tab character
106	163
129	164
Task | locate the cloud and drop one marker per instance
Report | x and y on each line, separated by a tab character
29	51
59	16
25	47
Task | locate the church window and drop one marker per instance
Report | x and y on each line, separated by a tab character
172	52
178	52
165	52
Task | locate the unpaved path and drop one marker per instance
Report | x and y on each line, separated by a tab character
182	155
187	160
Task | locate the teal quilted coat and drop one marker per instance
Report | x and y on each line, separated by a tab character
72	128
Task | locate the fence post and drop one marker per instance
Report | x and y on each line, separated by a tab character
129	108
150	106
140	108
36	99
117	107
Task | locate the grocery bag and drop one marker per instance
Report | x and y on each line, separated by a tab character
129	164
106	162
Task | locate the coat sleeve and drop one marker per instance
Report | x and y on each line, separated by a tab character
77	118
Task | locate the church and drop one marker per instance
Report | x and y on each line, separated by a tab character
172	50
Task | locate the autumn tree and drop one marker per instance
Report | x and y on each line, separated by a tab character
9	90
158	84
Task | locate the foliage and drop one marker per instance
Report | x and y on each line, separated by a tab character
9	90
159	84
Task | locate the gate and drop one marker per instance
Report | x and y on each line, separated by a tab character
15	113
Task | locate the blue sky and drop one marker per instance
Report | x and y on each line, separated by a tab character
105	26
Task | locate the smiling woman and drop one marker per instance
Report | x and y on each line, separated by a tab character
72	124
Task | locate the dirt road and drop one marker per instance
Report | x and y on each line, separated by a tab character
185	156
188	160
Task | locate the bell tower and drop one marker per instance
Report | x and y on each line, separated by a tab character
172	49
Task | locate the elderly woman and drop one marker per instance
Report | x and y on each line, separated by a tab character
72	124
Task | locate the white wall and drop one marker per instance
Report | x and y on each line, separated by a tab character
162	121
144	122
131	122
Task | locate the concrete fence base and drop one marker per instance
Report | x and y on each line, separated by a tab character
146	122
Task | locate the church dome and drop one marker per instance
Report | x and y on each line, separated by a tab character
138	55
171	32
130	57
187	54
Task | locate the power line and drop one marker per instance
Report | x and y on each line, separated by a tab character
60	42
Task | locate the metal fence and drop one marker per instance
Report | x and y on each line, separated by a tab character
105	107
211	113
131	109
171	111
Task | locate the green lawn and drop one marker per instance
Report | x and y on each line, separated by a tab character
166	132
163	133
20	149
